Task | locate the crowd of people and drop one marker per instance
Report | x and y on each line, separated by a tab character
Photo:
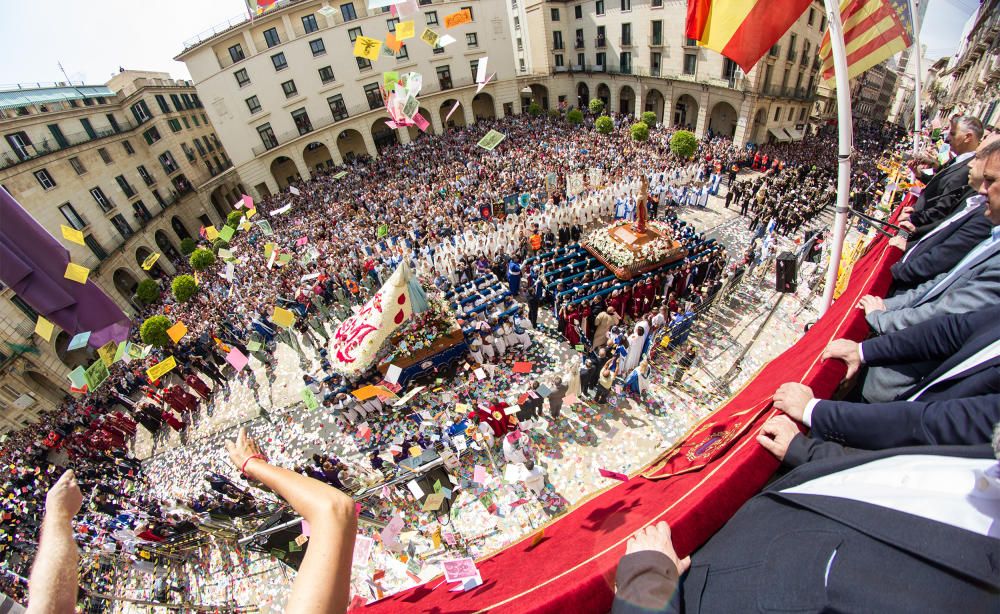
431	203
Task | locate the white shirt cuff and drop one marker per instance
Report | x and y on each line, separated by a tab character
808	412
861	352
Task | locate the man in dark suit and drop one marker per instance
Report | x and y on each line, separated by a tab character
947	357
823	538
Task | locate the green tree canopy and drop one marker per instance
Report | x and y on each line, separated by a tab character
683	144
183	287
154	331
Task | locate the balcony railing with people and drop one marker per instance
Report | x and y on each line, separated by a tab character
49	145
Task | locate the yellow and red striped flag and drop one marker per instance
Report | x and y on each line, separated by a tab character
742	30
874	30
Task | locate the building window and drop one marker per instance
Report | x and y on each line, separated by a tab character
469	10
601	60
555	14
391	24
431	18
777	113
289	88
444	77
125	186
105	155
791	48
194	118
20	143
656	4
626	34
602	39
146	176
812	15
373	95
24	307
354	33
279	61
242	78
599	7
113	122
198	146
162	102
72	216
657	34
175	124
404	54
152	135
168	163
95	247
45	179
347	12
122	226
128	148
474	66
271	37
655	59
802	114
791	114
186	124
363	64
267	136
301	119
578	11
337	107
625	63
581	59
471	40
309	24
520	65
557	41
626	5
690	63
236	53
559	60
102	200
77	165
326	75
317	47
141	112
88	128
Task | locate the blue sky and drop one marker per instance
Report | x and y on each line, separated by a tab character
92	39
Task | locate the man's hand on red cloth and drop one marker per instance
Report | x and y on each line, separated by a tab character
777	434
871	303
792	399
846	350
657	538
898	242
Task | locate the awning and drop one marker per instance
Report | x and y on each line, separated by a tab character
779	135
793	134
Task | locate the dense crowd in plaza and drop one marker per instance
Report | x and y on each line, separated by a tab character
346	230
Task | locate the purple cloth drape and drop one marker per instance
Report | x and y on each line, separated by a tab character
33	262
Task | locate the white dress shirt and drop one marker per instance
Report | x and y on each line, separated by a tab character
955	491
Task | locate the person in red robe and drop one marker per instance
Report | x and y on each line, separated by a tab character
572	322
635	303
500	423
170	419
198	385
756	162
584	319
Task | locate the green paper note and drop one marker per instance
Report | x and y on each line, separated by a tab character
120	352
389	79
253	346
78	377
293	547
96	374
310	399
226	234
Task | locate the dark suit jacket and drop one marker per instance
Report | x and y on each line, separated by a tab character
942	251
947	179
938	345
877	426
809	553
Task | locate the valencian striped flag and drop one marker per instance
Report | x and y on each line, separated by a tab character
742	30
874	30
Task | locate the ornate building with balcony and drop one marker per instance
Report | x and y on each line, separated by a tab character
284	108
975	72
136	166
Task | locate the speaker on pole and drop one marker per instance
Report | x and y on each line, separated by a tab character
786	272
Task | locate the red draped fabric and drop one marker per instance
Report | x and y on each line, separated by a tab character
696	487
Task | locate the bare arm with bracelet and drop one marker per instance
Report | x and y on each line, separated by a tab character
323	583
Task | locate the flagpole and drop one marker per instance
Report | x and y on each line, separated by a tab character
917	119
845	139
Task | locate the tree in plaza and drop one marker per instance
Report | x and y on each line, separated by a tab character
148	291
534	109
154	331
649	118
201	259
219	243
596	105
604	124
575	117
234	217
184	287
640	131
683	144
188	245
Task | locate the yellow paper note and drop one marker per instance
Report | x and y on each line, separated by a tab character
107	353
150	261
177	332
162	368
251	213
211	233
268	248
76	273
416	451
405	30
457	18
43	328
72	234
430	37
393	43
283	317
367	48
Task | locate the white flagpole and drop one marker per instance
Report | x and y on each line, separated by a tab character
916	53
845	142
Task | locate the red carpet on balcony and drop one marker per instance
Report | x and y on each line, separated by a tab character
696	488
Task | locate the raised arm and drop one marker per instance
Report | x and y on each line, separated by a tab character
323	583
53	584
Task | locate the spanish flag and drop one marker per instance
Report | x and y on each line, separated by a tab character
742	30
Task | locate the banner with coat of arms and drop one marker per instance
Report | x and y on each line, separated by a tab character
358	339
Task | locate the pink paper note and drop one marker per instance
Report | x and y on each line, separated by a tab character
391	124
459	569
453	109
479	475
421	123
247	202
392	530
362	550
302	241
614	475
237	359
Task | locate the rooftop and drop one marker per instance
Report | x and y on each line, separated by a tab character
15	96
